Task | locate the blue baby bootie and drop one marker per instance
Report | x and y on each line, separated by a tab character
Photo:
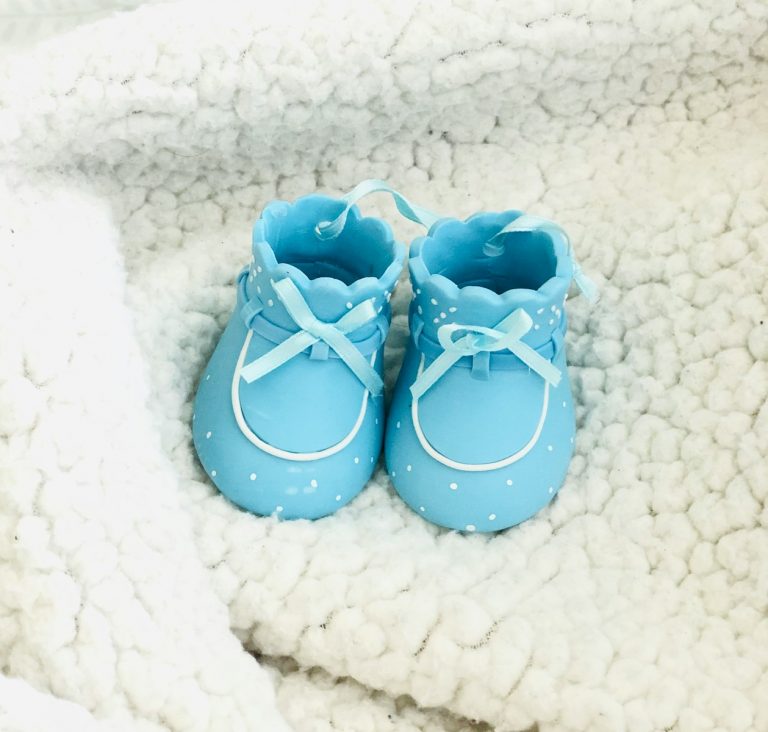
481	428
289	414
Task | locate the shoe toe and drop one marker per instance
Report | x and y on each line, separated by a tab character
266	485
461	480
267	480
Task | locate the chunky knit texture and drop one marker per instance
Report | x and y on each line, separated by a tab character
136	153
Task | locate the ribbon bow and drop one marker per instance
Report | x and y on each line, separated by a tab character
314	330
505	336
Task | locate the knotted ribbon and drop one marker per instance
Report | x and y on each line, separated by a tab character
505	336
314	330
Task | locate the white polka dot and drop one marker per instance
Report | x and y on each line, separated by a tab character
213	474
250	278
557	312
398	425
208	435
338	498
422	509
433	301
509	481
371	459
380	308
357	460
376	420
443	316
452	310
536	327
471	527
279	509
492	517
258	289
207	377
252	476
550	448
313	483
258	268
453	486
389	296
270	302
419	310
349	306
393	473
551	321
418	291
571	440
436	320
551	490
539	311
565	404
553	308
409	468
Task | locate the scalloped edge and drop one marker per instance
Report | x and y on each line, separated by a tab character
329	286
476	296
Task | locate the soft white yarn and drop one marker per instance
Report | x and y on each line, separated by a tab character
636	602
104	600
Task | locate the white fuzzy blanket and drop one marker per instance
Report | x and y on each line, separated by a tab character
137	151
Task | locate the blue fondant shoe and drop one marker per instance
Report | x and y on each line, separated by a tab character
481	428
289	416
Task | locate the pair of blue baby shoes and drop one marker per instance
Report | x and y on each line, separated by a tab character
289	415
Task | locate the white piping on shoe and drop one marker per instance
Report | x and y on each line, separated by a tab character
477	467
276	451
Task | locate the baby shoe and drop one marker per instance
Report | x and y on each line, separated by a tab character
481	428
289	415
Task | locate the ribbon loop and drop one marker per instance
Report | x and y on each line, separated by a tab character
477	339
314	331
417	214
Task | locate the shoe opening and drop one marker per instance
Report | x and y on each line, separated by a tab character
460	252
365	248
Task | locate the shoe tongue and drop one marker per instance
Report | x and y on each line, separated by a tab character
438	304
328	299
